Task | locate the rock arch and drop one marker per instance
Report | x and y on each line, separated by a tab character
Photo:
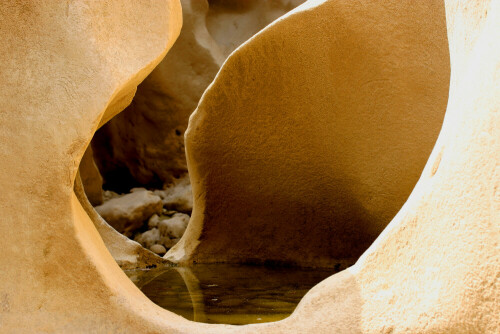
433	269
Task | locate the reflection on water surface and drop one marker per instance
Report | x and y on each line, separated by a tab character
229	294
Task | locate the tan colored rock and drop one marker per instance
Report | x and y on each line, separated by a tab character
127	253
127	213
314	133
153	221
91	178
433	270
144	145
65	68
151	129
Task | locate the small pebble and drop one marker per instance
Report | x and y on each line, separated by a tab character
158	249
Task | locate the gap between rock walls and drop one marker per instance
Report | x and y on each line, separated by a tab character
134	172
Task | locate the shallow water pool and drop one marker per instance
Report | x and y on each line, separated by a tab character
228	294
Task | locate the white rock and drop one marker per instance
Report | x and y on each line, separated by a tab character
179	196
128	212
174	227
148	238
158	249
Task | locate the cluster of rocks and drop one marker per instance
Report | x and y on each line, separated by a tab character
156	219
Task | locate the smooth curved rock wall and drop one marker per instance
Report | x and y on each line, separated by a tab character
433	270
91	178
144	145
314	133
67	67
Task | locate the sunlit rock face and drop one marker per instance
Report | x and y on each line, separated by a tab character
314	132
435	268
66	67
144	145
69	66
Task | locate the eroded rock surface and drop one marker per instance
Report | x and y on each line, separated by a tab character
65	68
144	145
433	270
436	267
314	133
128	254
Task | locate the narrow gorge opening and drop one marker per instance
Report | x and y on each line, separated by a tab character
134	173
314	135
296	164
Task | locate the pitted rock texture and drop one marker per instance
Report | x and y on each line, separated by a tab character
144	145
314	133
67	67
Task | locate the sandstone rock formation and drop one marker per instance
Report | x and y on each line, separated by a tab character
433	270
66	68
144	145
145	142
231	23
314	133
